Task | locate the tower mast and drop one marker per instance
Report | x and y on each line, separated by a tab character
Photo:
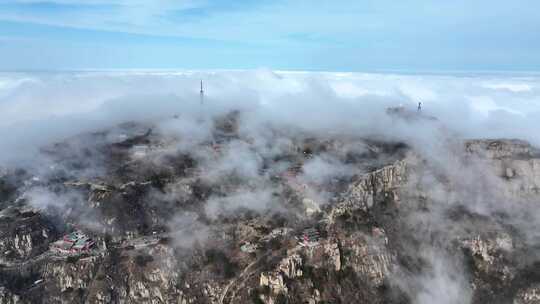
202	93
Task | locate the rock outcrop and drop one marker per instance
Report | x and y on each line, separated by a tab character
24	234
363	237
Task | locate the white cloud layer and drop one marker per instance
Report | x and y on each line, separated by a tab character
37	109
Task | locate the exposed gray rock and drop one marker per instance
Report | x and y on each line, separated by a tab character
373	227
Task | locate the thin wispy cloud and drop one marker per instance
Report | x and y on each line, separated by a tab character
336	35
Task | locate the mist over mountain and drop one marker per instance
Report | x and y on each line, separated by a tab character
269	187
42	105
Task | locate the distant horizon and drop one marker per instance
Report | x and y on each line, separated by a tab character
210	70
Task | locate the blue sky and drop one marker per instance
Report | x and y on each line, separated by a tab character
360	35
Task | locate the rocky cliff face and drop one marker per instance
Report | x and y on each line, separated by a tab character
24	234
393	227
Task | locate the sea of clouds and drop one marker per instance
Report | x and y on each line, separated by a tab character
39	108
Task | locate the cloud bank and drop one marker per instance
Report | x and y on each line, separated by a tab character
38	109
